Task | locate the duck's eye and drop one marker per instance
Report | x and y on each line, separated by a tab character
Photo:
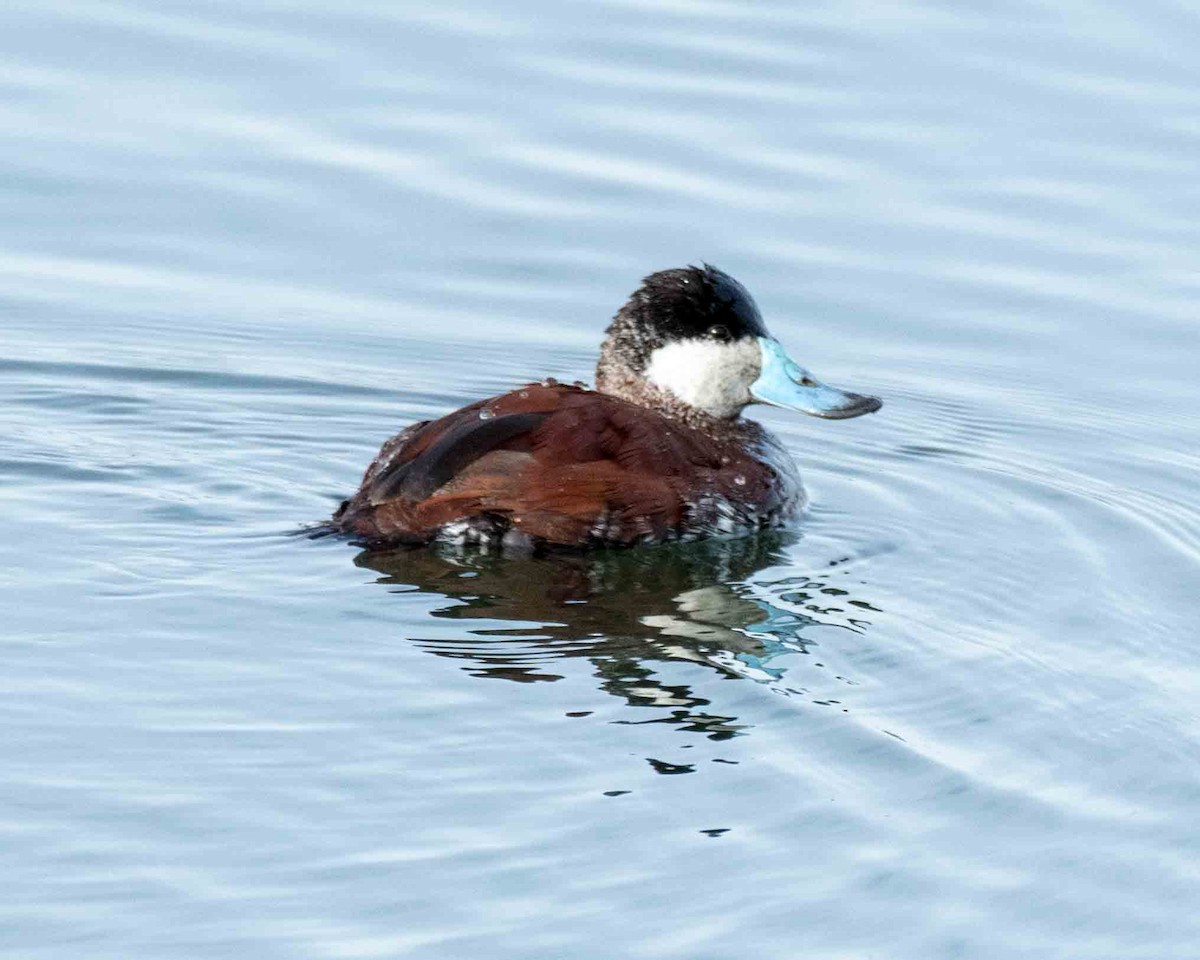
807	381
719	332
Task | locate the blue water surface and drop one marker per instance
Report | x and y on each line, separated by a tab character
952	715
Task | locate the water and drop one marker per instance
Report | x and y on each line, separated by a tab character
952	715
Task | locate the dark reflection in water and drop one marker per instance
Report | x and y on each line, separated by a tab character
625	610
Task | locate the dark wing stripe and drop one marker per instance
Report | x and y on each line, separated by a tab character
459	447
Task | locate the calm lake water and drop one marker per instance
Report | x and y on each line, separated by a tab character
952	715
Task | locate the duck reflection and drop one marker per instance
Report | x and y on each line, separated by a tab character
626	610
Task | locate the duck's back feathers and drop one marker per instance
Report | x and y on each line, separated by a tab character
563	465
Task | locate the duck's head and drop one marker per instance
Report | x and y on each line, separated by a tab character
695	334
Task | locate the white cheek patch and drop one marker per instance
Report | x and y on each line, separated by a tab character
711	376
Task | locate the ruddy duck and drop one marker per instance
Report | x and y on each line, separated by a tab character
658	451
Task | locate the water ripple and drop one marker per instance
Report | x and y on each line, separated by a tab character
242	244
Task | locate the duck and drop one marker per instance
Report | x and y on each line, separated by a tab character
658	450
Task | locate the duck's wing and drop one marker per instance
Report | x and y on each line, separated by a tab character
556	463
448	453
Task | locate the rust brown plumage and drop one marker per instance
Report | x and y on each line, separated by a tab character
563	465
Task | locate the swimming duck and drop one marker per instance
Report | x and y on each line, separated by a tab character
657	451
